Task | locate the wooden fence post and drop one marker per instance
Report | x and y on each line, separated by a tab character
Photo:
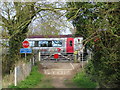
33	60
15	77
39	56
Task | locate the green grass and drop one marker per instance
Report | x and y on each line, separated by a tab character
31	81
82	81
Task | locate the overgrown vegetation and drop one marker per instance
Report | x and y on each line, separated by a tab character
99	24
31	81
17	26
18	16
83	81
6	62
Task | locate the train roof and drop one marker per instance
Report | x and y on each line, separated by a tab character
51	36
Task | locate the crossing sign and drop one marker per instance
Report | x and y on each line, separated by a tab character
56	56
25	44
25	50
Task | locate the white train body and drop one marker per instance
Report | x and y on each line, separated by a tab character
59	44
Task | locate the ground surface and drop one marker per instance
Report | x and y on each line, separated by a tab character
58	75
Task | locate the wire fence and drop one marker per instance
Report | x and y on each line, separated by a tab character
20	73
0	66
0	72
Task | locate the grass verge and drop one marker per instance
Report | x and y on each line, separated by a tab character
31	81
82	81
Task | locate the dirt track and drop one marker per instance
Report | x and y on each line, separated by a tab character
60	74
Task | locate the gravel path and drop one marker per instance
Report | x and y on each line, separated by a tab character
60	74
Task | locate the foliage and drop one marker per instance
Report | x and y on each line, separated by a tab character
83	81
6	62
5	65
33	79
18	17
100	28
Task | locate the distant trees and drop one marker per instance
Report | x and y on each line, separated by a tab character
99	24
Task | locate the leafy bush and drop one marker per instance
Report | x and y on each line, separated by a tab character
101	33
83	81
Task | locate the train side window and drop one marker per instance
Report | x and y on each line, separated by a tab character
70	43
57	43
49	43
31	43
36	44
43	43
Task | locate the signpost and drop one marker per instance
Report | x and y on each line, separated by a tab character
25	44
25	50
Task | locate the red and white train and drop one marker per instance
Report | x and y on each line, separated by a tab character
63	44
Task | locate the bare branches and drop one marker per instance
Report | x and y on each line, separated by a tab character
73	17
25	12
4	19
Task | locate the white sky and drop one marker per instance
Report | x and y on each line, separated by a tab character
64	32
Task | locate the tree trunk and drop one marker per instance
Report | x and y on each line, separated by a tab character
15	43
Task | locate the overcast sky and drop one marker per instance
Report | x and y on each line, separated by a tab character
66	30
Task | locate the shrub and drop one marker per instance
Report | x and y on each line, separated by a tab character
83	81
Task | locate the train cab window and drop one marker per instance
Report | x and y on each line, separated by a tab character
70	43
36	44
